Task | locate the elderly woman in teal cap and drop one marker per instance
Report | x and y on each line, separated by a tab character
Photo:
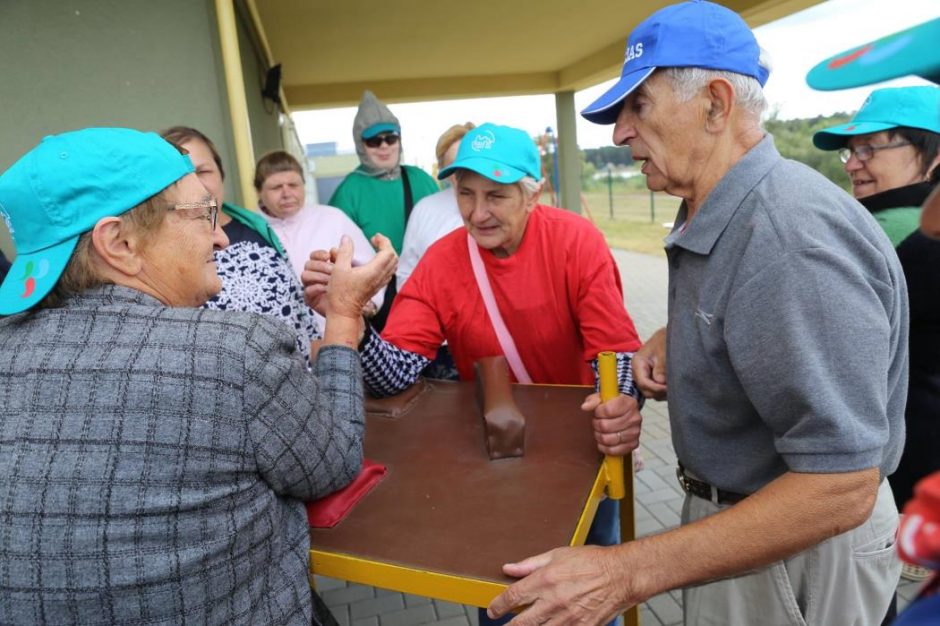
531	282
155	455
891	151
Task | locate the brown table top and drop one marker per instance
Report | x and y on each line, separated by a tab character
445	507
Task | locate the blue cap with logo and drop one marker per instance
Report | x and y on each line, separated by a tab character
62	187
915	50
500	153
884	109
690	34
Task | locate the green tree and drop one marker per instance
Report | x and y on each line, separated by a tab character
794	140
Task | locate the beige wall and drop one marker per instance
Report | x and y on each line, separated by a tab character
67	64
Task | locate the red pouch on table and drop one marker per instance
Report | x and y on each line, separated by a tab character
330	510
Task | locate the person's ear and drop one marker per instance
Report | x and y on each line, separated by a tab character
533	198
117	247
720	95
933	168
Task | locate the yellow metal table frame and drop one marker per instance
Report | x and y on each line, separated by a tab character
614	477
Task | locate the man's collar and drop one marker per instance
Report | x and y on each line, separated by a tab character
712	217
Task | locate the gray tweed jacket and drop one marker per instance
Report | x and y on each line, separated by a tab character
153	461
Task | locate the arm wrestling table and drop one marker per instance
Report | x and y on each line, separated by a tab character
445	518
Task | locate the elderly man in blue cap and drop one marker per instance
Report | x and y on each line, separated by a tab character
787	361
154	455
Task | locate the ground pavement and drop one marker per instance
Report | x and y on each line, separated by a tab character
658	496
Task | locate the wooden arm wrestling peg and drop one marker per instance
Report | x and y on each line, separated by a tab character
503	421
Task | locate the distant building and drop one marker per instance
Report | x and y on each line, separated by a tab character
323	148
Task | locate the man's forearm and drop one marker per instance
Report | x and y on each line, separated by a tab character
790	514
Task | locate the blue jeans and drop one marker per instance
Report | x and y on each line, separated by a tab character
604	531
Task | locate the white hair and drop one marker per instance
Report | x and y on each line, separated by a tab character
529	186
749	95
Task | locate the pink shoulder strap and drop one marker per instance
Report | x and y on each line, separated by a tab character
502	333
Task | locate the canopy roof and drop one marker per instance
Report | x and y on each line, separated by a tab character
413	50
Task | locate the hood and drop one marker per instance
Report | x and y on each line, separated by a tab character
372	112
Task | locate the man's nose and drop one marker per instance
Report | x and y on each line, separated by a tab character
624	129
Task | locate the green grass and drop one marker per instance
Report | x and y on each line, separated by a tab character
632	227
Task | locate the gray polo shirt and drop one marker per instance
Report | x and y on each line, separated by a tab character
787	342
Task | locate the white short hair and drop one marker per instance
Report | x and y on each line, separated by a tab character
529	185
749	95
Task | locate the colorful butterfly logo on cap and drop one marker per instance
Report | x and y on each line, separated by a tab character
29	279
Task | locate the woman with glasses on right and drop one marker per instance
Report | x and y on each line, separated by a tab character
891	151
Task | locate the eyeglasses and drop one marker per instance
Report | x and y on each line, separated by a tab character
375	142
865	152
210	210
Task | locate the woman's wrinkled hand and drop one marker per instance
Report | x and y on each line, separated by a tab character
333	285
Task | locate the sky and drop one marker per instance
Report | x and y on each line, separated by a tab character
795	43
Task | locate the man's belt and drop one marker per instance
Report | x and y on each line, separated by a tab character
701	489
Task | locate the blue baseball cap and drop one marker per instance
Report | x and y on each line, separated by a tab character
915	50
378	129
62	187
884	109
691	34
500	153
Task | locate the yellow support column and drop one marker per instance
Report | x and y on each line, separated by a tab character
237	102
619	475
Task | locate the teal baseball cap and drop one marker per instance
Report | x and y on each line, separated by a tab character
500	153
62	187
884	109
915	50
378	129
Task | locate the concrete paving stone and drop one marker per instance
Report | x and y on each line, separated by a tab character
666	516
676	505
651	460
413	600
423	614
472	616
376	606
328	584
346	595
660	495
341	613
656	430
379	591
639	486
660	447
453	621
367	621
665	608
648	618
449	609
648	527
640	512
652	480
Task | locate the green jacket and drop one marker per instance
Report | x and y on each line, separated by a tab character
255	222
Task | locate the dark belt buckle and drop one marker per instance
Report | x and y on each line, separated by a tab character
683	481
697	488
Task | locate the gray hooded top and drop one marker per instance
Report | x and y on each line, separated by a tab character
371	112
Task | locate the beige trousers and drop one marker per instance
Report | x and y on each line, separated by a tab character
847	580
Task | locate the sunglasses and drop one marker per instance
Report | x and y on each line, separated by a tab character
375	142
